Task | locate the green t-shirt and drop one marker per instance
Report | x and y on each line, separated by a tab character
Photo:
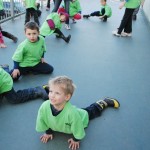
70	120
6	82
1	5
45	29
74	8
132	3
29	54
30	4
108	10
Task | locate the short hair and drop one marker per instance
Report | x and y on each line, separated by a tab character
65	83
31	25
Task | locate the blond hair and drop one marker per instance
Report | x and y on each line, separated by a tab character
64	82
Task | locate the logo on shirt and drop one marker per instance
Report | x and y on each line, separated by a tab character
68	124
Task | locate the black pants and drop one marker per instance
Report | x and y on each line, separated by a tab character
126	23
40	68
31	12
7	34
48	3
98	13
57	4
94	110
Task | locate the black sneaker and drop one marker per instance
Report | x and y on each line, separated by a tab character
86	16
111	102
46	88
68	38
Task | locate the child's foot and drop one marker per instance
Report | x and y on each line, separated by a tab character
74	21
15	39
67	26
116	33
124	34
47	8
108	102
68	39
86	16
2	45
5	67
46	88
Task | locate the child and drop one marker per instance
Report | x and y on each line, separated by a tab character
58	114
125	28
8	35
7	90
53	24
29	56
105	12
74	10
31	10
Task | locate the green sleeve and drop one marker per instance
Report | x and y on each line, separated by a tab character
78	6
40	123
19	53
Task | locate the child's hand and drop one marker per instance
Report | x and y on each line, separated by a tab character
45	137
15	73
73	144
2	45
42	60
122	5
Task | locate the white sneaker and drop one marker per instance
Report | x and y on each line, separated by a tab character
115	33
67	26
126	34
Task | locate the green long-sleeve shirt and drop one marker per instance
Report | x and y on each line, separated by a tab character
70	120
6	82
1	5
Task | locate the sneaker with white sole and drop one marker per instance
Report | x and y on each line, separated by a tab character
116	33
67	26
126	34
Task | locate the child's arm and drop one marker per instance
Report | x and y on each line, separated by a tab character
73	144
16	71
122	4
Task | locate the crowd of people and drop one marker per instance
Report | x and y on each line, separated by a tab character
29	58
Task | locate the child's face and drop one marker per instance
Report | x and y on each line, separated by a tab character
57	96
62	18
32	35
102	2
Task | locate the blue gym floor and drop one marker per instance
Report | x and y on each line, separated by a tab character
100	65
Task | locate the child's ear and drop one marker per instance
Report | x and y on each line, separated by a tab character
68	96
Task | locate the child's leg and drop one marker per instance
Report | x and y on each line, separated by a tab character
95	13
36	19
48	4
56	5
10	36
67	4
59	34
135	13
2	45
22	96
128	13
27	16
95	109
42	68
128	26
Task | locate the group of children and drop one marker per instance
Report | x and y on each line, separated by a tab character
56	113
